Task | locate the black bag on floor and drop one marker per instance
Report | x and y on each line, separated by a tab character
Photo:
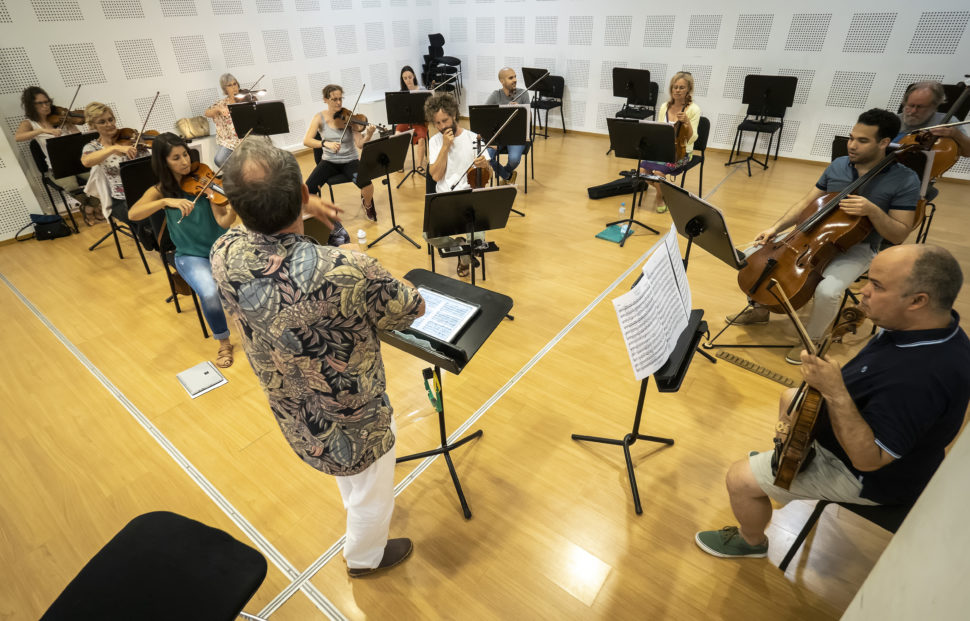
45	227
614	188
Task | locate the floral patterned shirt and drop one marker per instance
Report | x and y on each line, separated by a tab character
310	316
112	166
225	130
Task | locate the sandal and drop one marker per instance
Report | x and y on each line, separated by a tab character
224	356
369	211
88	213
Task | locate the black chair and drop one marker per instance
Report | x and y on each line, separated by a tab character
952	93
759	119
529	152
642	110
437	53
697	155
164	566
176	284
548	97
49	184
889	517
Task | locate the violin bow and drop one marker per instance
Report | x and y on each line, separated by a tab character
529	88
73	99
487	145
143	125
208	183
249	91
437	86
352	112
775	289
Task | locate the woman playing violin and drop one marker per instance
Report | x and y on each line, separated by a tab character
226	136
104	156
340	144
409	82
680	108
193	227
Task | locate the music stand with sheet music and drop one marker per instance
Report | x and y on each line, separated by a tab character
668	378
265	118
640	140
452	357
466	212
378	158
485	120
407	108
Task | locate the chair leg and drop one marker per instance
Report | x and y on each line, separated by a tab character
562	117
198	312
778	145
809	525
700	182
330	187
114	231
134	235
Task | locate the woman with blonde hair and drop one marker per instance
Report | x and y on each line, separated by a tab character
680	108
104	156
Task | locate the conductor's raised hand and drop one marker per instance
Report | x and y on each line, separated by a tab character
322	210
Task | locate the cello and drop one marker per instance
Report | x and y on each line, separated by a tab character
795	451
822	231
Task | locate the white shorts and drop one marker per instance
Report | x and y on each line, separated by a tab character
826	478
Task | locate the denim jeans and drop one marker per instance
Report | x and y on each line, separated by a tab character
197	271
515	156
222	154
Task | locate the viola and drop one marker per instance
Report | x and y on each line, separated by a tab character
478	177
60	116
343	117
130	137
946	150
200	180
794	452
798	259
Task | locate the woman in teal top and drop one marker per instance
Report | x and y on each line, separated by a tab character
193	229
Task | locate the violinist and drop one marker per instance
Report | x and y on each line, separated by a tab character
193	227
508	94
409	82
888	200
920	103
887	416
341	138
103	156
680	108
226	136
450	153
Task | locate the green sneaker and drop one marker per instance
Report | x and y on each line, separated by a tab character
728	543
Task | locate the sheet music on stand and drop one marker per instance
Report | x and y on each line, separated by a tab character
444	316
656	310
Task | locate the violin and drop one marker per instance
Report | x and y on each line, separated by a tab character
682	134
794	452
131	138
343	117
200	180
946	150
798	259
478	177
60	116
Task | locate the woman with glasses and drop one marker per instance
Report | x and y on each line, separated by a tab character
340	156
104	156
226	136
38	108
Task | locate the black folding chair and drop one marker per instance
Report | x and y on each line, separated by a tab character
48	181
550	96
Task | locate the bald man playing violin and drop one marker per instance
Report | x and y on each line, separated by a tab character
887	416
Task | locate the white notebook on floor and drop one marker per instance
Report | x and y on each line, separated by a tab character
201	378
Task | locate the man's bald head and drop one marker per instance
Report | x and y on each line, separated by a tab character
264	185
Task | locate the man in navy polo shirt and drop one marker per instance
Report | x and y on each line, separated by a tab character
888	200
888	414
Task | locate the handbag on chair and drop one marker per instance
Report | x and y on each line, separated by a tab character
193	127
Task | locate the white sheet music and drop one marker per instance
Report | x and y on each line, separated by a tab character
444	316
656	311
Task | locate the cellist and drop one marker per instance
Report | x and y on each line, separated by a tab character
887	415
888	200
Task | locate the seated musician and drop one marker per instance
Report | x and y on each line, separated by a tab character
887	415
508	94
104	156
920	103
339	149
888	200
409	82
193	227
40	110
451	152
679	108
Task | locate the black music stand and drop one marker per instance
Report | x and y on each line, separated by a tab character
485	120
64	153
467	212
634	85
538	79
407	108
452	357
669	378
766	96
378	158
265	118
640	140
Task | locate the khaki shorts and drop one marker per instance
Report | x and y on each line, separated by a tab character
825	478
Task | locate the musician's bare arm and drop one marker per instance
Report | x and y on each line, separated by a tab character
893	226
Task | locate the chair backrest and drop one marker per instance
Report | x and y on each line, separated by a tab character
39	160
317	153
437	39
703	131
840	146
653	94
436	51
556	87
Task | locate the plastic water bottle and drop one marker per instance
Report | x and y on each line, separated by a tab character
362	239
626	225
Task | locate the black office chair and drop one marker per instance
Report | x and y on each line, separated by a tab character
437	53
697	155
48	182
164	566
889	517
548	97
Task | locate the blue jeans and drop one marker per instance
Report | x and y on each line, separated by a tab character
515	156
197	271
221	156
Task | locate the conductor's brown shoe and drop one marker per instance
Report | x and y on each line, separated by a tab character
395	552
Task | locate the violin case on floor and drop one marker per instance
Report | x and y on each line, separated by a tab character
615	188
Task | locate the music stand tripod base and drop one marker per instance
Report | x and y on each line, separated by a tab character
378	158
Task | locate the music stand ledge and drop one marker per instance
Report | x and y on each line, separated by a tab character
452	358
669	378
